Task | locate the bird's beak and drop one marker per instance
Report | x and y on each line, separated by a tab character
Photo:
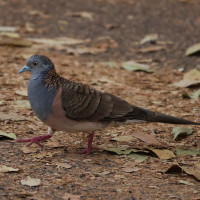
24	69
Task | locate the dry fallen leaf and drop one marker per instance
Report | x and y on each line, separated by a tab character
192	170
121	150
194	49
32	182
163	154
148	138
149	38
187	152
133	66
4	169
180	132
8	135
191	78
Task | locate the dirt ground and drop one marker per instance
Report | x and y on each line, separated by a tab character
110	32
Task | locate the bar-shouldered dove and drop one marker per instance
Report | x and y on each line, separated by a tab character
68	106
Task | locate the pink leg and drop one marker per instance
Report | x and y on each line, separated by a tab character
87	151
37	139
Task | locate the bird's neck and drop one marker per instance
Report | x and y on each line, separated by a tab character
52	79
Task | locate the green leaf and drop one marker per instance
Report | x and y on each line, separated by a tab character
8	135
133	66
195	94
181	132
188	152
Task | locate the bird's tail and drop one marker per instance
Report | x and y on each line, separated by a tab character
157	117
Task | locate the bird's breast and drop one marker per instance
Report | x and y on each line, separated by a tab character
41	98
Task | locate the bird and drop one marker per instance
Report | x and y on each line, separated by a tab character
69	106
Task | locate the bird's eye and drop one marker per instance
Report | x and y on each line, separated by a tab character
35	64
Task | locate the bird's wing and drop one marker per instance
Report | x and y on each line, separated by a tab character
83	103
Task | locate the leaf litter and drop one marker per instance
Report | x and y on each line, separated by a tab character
77	178
190	78
180	132
6	169
7	135
31	182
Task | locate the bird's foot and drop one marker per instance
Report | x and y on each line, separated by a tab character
35	140
87	151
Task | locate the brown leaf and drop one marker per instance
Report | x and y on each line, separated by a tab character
163	154
192	170
148	138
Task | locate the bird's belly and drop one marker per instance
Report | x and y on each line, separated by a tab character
58	121
62	123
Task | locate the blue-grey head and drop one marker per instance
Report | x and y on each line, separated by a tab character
37	64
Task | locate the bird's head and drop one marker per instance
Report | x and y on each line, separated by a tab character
37	64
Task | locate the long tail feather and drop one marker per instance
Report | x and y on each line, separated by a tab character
157	117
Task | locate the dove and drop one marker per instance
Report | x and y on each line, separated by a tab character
69	106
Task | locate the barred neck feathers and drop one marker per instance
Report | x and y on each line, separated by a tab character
53	80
